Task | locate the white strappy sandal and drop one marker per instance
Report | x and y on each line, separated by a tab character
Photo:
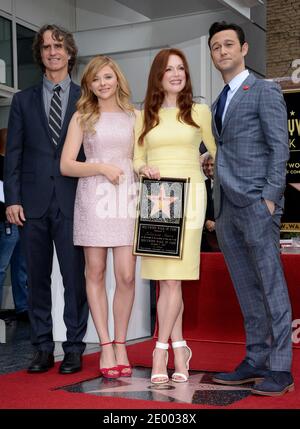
160	378
183	378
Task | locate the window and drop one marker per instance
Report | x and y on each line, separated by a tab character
28	72
6	64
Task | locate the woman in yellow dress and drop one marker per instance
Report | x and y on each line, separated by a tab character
168	135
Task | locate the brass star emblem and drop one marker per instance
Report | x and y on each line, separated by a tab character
161	202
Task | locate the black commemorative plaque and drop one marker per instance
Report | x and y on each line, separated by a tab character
160	222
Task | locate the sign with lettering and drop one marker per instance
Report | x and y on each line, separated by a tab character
292	99
160	222
290	221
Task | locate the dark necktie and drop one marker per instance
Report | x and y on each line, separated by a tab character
55	114
220	107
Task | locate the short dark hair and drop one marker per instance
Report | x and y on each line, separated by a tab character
60	34
216	27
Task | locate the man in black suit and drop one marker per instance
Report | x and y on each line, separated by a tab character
41	201
209	238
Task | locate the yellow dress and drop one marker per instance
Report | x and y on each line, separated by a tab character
173	147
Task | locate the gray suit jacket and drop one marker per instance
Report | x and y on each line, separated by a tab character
253	147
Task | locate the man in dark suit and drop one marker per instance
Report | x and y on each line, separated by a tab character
250	128
41	201
209	241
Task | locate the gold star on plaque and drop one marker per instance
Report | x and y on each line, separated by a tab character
161	202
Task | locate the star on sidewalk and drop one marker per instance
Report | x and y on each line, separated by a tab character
161	202
198	390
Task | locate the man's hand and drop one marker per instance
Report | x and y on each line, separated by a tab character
15	214
271	206
210	225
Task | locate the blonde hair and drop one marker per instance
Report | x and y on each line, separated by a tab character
88	105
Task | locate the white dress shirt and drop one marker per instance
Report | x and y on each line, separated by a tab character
234	84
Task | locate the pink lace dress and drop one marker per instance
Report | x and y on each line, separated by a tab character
104	213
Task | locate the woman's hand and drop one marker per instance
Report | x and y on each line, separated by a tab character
150	172
114	174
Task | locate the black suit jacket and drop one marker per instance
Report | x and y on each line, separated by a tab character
210	202
209	241
2	205
31	169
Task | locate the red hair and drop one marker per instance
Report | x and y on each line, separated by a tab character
155	94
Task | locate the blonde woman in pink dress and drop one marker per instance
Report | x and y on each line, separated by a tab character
105	200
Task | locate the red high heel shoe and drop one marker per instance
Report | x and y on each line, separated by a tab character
107	372
125	370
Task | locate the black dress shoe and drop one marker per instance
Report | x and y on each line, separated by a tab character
72	363
41	362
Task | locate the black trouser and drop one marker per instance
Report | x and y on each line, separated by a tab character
37	237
